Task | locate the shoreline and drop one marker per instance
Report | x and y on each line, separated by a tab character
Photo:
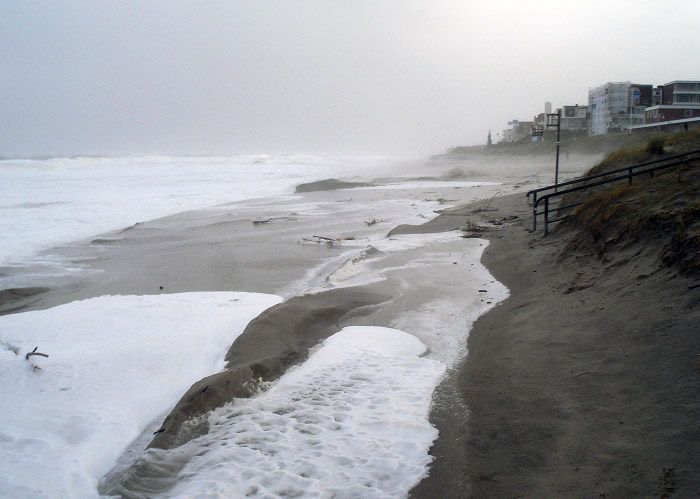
582	383
289	331
164	244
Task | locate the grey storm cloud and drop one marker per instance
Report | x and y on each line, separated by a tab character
297	76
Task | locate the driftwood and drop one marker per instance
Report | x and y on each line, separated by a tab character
327	239
258	222
330	241
34	352
487	205
373	221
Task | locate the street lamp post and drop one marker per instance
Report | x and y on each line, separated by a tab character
554	119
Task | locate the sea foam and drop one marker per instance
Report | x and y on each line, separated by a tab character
352	421
115	363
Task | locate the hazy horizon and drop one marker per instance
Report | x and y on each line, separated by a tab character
312	77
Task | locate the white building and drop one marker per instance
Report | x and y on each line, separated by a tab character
617	106
517	131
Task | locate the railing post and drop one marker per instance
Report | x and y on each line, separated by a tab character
534	212
546	215
556	168
629	172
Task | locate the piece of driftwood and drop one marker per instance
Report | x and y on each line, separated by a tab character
34	352
487	205
373	221
322	240
330	241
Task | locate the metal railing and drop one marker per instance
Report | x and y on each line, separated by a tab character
627	172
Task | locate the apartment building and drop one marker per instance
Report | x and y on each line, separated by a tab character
678	107
617	106
517	130
680	93
574	118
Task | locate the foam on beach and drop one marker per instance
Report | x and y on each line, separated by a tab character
356	270
55	201
115	363
352	421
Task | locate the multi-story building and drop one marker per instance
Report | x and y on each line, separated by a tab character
574	118
680	93
540	120
617	106
677	108
661	114
518	130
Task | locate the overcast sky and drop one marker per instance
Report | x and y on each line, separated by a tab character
323	76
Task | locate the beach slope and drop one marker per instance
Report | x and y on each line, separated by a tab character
583	383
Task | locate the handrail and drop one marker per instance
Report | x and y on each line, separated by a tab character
610	172
631	171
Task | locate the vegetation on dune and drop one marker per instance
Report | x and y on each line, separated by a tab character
659	214
653	147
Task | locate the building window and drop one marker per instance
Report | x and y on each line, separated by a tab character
688	113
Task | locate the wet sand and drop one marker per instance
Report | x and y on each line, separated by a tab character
584	383
223	248
562	393
277	339
16	299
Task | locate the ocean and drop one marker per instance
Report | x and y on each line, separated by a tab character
152	266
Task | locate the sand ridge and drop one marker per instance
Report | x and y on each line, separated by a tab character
272	342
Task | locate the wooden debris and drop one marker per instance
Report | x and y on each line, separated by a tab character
373	221
487	205
322	240
34	352
473	230
259	222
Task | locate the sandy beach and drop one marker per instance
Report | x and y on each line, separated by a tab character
282	250
423	299
582	384
324	252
